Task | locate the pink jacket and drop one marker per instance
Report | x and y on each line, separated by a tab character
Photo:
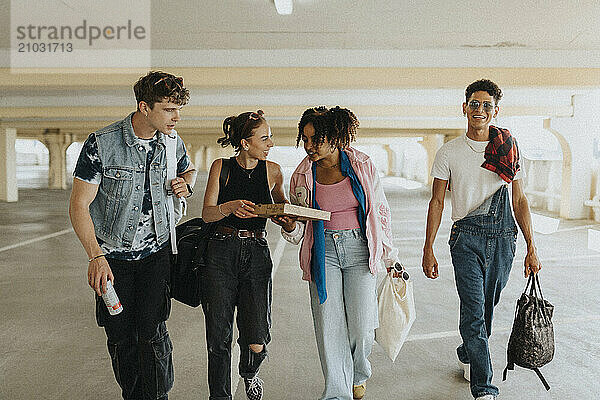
379	222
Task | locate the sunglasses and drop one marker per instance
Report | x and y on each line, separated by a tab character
487	106
401	271
256	115
171	82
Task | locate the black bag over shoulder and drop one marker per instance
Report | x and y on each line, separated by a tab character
192	241
531	343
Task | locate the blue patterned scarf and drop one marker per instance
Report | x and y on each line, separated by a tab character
318	249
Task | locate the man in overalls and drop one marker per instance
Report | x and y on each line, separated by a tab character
478	168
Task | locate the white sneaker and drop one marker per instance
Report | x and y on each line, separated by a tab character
486	397
467	372
254	388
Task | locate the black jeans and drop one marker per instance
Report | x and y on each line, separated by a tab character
138	341
237	273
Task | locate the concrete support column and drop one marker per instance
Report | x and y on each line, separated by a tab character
198	157
553	187
57	145
191	149
432	144
209	156
214	152
574	134
196	151
8	165
391	160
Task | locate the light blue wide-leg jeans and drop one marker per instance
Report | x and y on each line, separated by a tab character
345	324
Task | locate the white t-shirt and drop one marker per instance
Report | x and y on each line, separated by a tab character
459	161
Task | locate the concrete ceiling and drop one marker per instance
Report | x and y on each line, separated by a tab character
366	24
376	24
381	58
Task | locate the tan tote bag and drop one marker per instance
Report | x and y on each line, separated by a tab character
396	306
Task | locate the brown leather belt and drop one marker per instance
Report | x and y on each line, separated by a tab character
241	233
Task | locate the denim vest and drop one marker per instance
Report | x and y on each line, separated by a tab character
118	204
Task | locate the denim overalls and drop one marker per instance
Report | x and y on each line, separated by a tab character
482	246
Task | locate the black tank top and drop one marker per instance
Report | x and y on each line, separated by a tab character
245	184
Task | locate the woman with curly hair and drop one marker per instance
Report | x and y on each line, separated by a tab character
238	262
340	257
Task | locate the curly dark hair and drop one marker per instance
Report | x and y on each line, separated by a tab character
484	85
156	86
236	128
336	124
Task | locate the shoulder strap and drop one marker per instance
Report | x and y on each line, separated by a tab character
510	365
224	176
544	382
171	148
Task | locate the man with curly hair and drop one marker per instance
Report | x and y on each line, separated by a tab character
478	168
118	210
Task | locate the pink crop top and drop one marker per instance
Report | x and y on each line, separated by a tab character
339	199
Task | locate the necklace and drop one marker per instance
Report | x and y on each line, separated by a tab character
330	167
248	173
471	147
246	170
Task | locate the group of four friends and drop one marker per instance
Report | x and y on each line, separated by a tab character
119	212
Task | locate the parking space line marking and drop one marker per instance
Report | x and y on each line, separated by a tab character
415	238
34	240
277	254
448	334
519	261
576	228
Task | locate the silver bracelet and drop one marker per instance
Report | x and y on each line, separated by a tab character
221	212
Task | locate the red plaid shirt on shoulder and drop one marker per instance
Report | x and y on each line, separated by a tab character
502	154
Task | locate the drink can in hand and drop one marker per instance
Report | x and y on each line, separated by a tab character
111	299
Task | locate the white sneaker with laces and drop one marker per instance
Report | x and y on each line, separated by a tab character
466	371
254	388
486	397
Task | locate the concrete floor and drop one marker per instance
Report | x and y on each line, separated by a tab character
52	348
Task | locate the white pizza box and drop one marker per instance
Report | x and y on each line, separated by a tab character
303	213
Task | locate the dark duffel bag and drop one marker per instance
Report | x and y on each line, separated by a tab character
192	240
531	343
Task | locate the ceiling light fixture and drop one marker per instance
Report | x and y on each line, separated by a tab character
284	7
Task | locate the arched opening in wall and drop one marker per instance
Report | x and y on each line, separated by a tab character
72	155
288	157
542	161
408	165
411	162
400	162
378	154
32	164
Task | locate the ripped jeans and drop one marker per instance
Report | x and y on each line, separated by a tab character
138	341
237	274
